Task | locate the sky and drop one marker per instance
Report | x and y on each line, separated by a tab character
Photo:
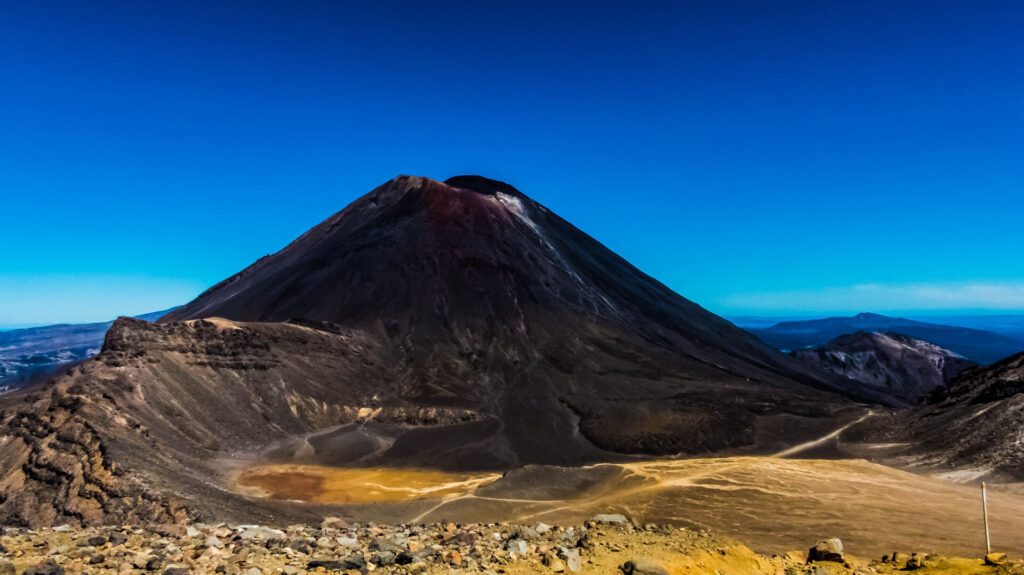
773	158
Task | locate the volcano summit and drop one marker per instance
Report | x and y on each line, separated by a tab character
453	325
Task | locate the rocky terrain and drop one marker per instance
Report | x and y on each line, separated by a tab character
609	543
971	429
978	345
452	351
901	366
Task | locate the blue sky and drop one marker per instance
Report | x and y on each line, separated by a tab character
758	157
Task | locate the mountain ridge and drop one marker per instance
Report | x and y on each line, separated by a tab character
975	344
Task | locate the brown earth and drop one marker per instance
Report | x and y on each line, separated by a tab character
771	504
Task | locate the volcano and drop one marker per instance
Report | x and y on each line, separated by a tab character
455	325
492	302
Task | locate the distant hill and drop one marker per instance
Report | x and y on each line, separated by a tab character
904	367
975	344
30	353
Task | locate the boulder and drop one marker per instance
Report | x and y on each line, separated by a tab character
826	550
614	518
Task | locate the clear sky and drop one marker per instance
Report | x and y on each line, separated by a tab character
758	157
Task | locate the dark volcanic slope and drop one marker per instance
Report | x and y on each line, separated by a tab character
493	302
975	344
904	367
452	325
975	423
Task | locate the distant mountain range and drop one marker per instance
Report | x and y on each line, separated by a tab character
978	345
28	354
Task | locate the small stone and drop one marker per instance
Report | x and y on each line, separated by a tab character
333	523
383	558
995	559
261	533
328	564
300	545
48	567
553	562
153	562
96	560
94	541
176	571
643	567
62	528
915	562
614	518
347	541
355	561
571	558
117	538
517	546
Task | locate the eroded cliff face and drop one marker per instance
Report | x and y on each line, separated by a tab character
58	469
134	435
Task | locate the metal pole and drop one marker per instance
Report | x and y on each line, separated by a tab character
984	512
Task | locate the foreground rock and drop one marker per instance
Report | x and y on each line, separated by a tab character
826	550
338	547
